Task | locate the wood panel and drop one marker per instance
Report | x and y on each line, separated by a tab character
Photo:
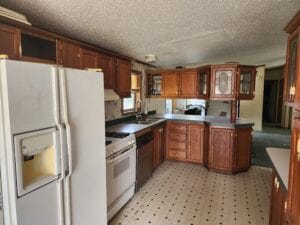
108	65
294	178
221	149
158	145
243	147
179	137
171	84
123	77
195	143
88	59
189	84
177	127
10	41
68	54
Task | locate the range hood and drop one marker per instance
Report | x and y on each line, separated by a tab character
110	95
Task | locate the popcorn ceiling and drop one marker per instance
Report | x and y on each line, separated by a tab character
178	32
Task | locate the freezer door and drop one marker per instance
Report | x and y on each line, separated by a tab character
83	114
31	95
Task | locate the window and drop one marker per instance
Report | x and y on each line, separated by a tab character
132	104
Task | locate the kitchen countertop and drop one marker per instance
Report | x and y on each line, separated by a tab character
280	158
131	127
211	120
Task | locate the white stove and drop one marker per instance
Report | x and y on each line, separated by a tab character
116	142
120	170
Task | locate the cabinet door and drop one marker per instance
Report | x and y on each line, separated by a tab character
195	143
68	55
10	41
223	82
243	143
123	77
88	59
188	84
294	177
171	84
108	64
246	82
156	147
204	83
221	149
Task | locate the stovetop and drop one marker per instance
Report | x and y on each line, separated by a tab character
116	134
116	142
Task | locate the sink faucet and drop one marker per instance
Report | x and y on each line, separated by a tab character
138	116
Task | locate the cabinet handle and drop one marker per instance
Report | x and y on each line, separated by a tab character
285	206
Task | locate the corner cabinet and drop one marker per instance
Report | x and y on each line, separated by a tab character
10	43
246	82
229	149
123	77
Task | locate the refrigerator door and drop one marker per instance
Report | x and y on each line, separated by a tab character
31	95
29	108
82	106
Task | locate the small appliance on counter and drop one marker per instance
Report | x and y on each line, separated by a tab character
120	170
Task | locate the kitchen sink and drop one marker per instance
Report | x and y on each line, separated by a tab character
145	121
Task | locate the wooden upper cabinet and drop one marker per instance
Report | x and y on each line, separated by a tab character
171	84
246	82
195	143
10	40
108	65
68	54
123	77
88	59
221	149
223	82
188	86
204	82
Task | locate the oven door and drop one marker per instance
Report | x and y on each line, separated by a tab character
120	173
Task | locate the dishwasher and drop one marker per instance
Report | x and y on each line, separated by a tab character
144	142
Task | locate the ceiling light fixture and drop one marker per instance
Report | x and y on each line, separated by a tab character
150	58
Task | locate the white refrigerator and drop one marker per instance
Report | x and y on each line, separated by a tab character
52	145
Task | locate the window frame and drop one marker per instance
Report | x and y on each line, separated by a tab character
140	90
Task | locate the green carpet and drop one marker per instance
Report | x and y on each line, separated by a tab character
269	137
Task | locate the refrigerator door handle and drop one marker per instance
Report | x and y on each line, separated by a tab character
67	198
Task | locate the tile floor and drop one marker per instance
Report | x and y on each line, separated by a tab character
187	194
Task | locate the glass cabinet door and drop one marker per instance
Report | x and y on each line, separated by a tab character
204	83
154	85
223	82
291	69
246	82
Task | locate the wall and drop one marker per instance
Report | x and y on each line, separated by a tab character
253	110
113	108
214	108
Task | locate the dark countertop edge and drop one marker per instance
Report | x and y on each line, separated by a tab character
274	167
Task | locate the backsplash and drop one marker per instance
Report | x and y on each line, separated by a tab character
113	108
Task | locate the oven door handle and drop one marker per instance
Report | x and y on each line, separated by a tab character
116	158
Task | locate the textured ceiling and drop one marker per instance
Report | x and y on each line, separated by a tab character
179	32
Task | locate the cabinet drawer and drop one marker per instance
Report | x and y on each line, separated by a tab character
177	127
180	137
180	146
177	155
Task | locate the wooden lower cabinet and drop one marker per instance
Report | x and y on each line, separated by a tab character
185	141
158	145
195	143
221	149
278	202
293	209
229	149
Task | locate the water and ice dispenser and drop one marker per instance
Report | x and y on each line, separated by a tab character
37	159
